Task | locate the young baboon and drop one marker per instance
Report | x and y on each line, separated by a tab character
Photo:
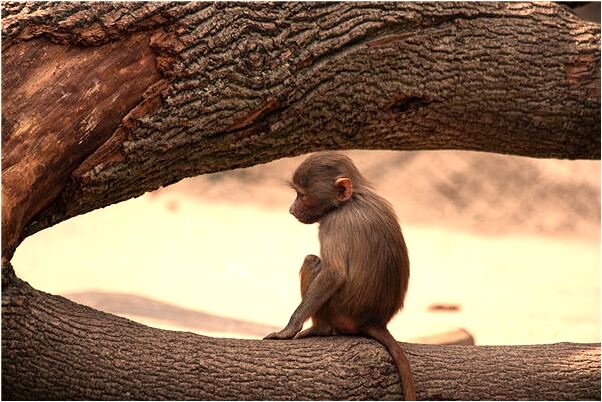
360	279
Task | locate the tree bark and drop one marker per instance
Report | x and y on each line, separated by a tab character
102	102
53	348
186	89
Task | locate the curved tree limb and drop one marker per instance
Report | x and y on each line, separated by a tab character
234	85
94	355
139	95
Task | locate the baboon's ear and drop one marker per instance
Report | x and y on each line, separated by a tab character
345	188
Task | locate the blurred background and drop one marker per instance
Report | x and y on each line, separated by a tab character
507	248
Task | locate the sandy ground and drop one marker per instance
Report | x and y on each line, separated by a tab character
224	245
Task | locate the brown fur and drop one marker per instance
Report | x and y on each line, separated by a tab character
359	282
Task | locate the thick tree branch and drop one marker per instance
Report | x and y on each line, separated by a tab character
248	83
93	355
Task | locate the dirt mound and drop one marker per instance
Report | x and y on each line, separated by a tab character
481	192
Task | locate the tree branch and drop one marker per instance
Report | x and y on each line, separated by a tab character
242	84
53	348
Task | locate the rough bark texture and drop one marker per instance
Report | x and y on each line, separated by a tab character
248	83
102	102
53	348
